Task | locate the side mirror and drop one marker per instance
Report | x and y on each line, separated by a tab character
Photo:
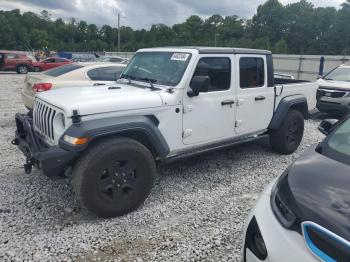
319	77
327	126
199	84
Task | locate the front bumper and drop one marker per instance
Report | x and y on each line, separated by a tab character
52	160
330	105
281	244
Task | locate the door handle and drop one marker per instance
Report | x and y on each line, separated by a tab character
260	98
227	102
99	84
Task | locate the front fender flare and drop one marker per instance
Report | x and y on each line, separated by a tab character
99	128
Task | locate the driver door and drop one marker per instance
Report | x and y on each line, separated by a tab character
210	116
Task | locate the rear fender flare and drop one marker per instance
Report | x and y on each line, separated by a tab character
297	102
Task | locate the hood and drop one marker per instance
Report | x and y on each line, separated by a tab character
317	189
335	85
101	99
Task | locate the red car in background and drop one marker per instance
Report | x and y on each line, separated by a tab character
15	61
49	63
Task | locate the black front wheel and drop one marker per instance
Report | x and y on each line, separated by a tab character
114	177
22	69
287	138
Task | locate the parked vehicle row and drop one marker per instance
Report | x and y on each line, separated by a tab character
172	103
22	64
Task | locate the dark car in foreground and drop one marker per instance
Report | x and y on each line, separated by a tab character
305	214
333	95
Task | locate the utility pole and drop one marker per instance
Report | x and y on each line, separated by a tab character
118	32
215	39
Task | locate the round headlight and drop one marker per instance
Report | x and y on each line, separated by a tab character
59	123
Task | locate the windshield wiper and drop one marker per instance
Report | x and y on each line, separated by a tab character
150	81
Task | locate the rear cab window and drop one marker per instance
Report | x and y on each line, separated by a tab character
251	72
58	71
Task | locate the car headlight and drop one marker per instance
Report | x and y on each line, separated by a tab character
283	214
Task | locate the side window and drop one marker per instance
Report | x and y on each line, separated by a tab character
50	60
111	73
94	74
59	60
251	72
10	56
219	71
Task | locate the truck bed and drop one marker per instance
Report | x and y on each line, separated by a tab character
290	87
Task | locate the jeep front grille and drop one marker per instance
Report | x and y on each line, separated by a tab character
43	116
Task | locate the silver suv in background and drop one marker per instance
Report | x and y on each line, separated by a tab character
333	95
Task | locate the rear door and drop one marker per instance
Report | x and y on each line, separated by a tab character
10	61
210	116
255	100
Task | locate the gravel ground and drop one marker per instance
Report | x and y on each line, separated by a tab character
196	210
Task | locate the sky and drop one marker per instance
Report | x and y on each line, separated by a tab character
143	13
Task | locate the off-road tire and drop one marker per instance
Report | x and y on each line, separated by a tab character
99	171
22	69
287	138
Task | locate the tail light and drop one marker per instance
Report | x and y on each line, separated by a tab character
41	87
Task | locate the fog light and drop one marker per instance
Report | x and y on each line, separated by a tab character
75	140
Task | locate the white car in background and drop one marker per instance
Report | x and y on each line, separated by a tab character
71	75
113	59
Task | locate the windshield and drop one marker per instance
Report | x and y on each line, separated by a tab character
164	68
337	145
58	71
339	74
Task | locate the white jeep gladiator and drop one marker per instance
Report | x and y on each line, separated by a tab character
169	103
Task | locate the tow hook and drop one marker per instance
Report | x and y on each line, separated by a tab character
28	165
15	142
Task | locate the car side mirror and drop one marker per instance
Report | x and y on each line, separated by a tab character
319	77
199	84
327	126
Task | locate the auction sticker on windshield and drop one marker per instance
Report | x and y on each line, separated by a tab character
180	56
